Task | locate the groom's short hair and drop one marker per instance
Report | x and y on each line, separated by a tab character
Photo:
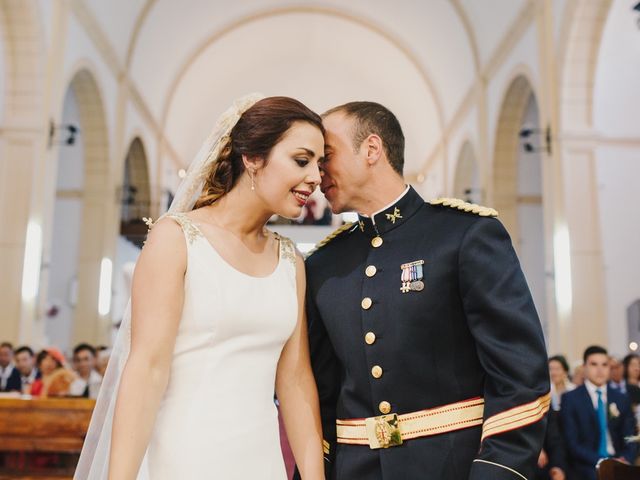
371	117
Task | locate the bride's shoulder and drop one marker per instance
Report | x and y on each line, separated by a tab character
164	251
167	232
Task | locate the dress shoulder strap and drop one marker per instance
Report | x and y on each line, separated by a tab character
191	232
287	249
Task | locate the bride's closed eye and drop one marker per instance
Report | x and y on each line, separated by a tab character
302	162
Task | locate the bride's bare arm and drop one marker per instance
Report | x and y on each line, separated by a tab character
297	393
156	306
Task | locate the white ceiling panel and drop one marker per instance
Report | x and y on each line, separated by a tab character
295	57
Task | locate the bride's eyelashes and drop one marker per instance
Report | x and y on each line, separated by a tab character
302	162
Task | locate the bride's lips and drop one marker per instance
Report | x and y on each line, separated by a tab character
301	196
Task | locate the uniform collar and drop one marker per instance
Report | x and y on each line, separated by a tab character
393	215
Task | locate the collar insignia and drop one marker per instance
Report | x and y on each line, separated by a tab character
392	217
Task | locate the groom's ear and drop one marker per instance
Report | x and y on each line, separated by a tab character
373	148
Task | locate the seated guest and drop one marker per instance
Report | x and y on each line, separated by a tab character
596	419
618	382
578	375
56	380
102	359
9	375
26	365
631	364
616	375
559	376
84	363
552	462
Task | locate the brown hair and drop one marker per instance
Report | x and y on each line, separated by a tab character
259	129
371	117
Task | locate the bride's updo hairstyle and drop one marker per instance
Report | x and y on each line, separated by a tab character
257	131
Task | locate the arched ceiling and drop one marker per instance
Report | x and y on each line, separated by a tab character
336	73
188	59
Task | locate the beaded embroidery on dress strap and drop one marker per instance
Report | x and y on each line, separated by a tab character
190	230
287	249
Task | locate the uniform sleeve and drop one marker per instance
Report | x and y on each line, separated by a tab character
326	371
510	346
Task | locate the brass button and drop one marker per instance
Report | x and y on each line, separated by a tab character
376	242
370	338
366	303
371	271
385	407
376	371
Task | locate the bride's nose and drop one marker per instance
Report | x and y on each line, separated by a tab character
313	177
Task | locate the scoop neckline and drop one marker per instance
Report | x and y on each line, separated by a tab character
232	267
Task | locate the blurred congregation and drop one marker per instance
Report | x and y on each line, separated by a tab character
572	445
49	374
526	106
570	448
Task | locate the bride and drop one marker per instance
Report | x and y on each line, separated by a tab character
216	321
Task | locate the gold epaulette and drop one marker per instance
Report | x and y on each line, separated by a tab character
465	206
329	237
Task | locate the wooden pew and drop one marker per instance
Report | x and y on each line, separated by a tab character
34	430
611	469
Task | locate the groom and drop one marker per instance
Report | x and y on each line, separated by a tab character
426	346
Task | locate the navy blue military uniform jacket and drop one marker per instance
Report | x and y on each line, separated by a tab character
471	332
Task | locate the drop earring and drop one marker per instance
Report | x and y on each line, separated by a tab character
253	185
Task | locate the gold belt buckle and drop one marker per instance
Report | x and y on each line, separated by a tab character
383	431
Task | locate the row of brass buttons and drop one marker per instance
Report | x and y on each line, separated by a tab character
370	337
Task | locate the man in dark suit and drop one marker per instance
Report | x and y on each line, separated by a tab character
26	365
617	382
596	419
9	374
425	343
552	463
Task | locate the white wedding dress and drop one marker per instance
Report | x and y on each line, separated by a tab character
217	419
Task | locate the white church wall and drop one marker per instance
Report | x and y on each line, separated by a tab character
488	27
531	247
467	130
64	247
81	52
616	101
616	110
126	255
523	59
559	8
45	10
136	125
4	73
433	185
117	19
618	171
